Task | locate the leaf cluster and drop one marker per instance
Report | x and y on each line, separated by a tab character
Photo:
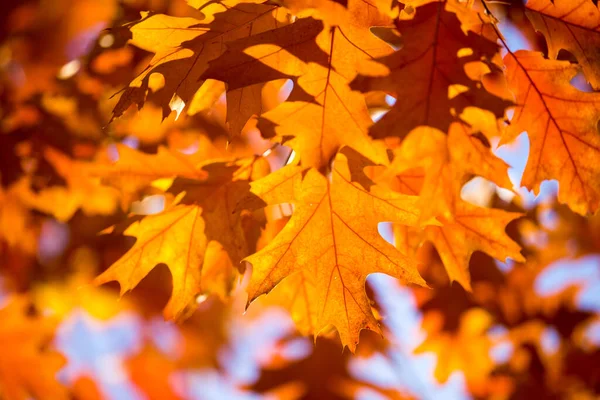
245	154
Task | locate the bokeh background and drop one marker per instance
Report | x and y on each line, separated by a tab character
527	331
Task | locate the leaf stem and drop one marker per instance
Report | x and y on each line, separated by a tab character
494	21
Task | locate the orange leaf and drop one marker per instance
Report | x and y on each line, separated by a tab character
473	229
322	114
573	26
561	122
449	161
423	71
332	239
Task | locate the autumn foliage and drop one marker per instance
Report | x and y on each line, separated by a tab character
243	166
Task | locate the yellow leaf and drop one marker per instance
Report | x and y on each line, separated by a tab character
322	114
183	46
135	170
332	239
176	238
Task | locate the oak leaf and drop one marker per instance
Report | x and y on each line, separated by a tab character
242	104
573	26
219	196
281	53
561	122
175	238
183	46
179	237
332	239
322	114
470	229
297	294
134	170
426	73
294	293
473	229
435	167
449	161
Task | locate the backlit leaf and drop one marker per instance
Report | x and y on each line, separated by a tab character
573	26
562	124
327	215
